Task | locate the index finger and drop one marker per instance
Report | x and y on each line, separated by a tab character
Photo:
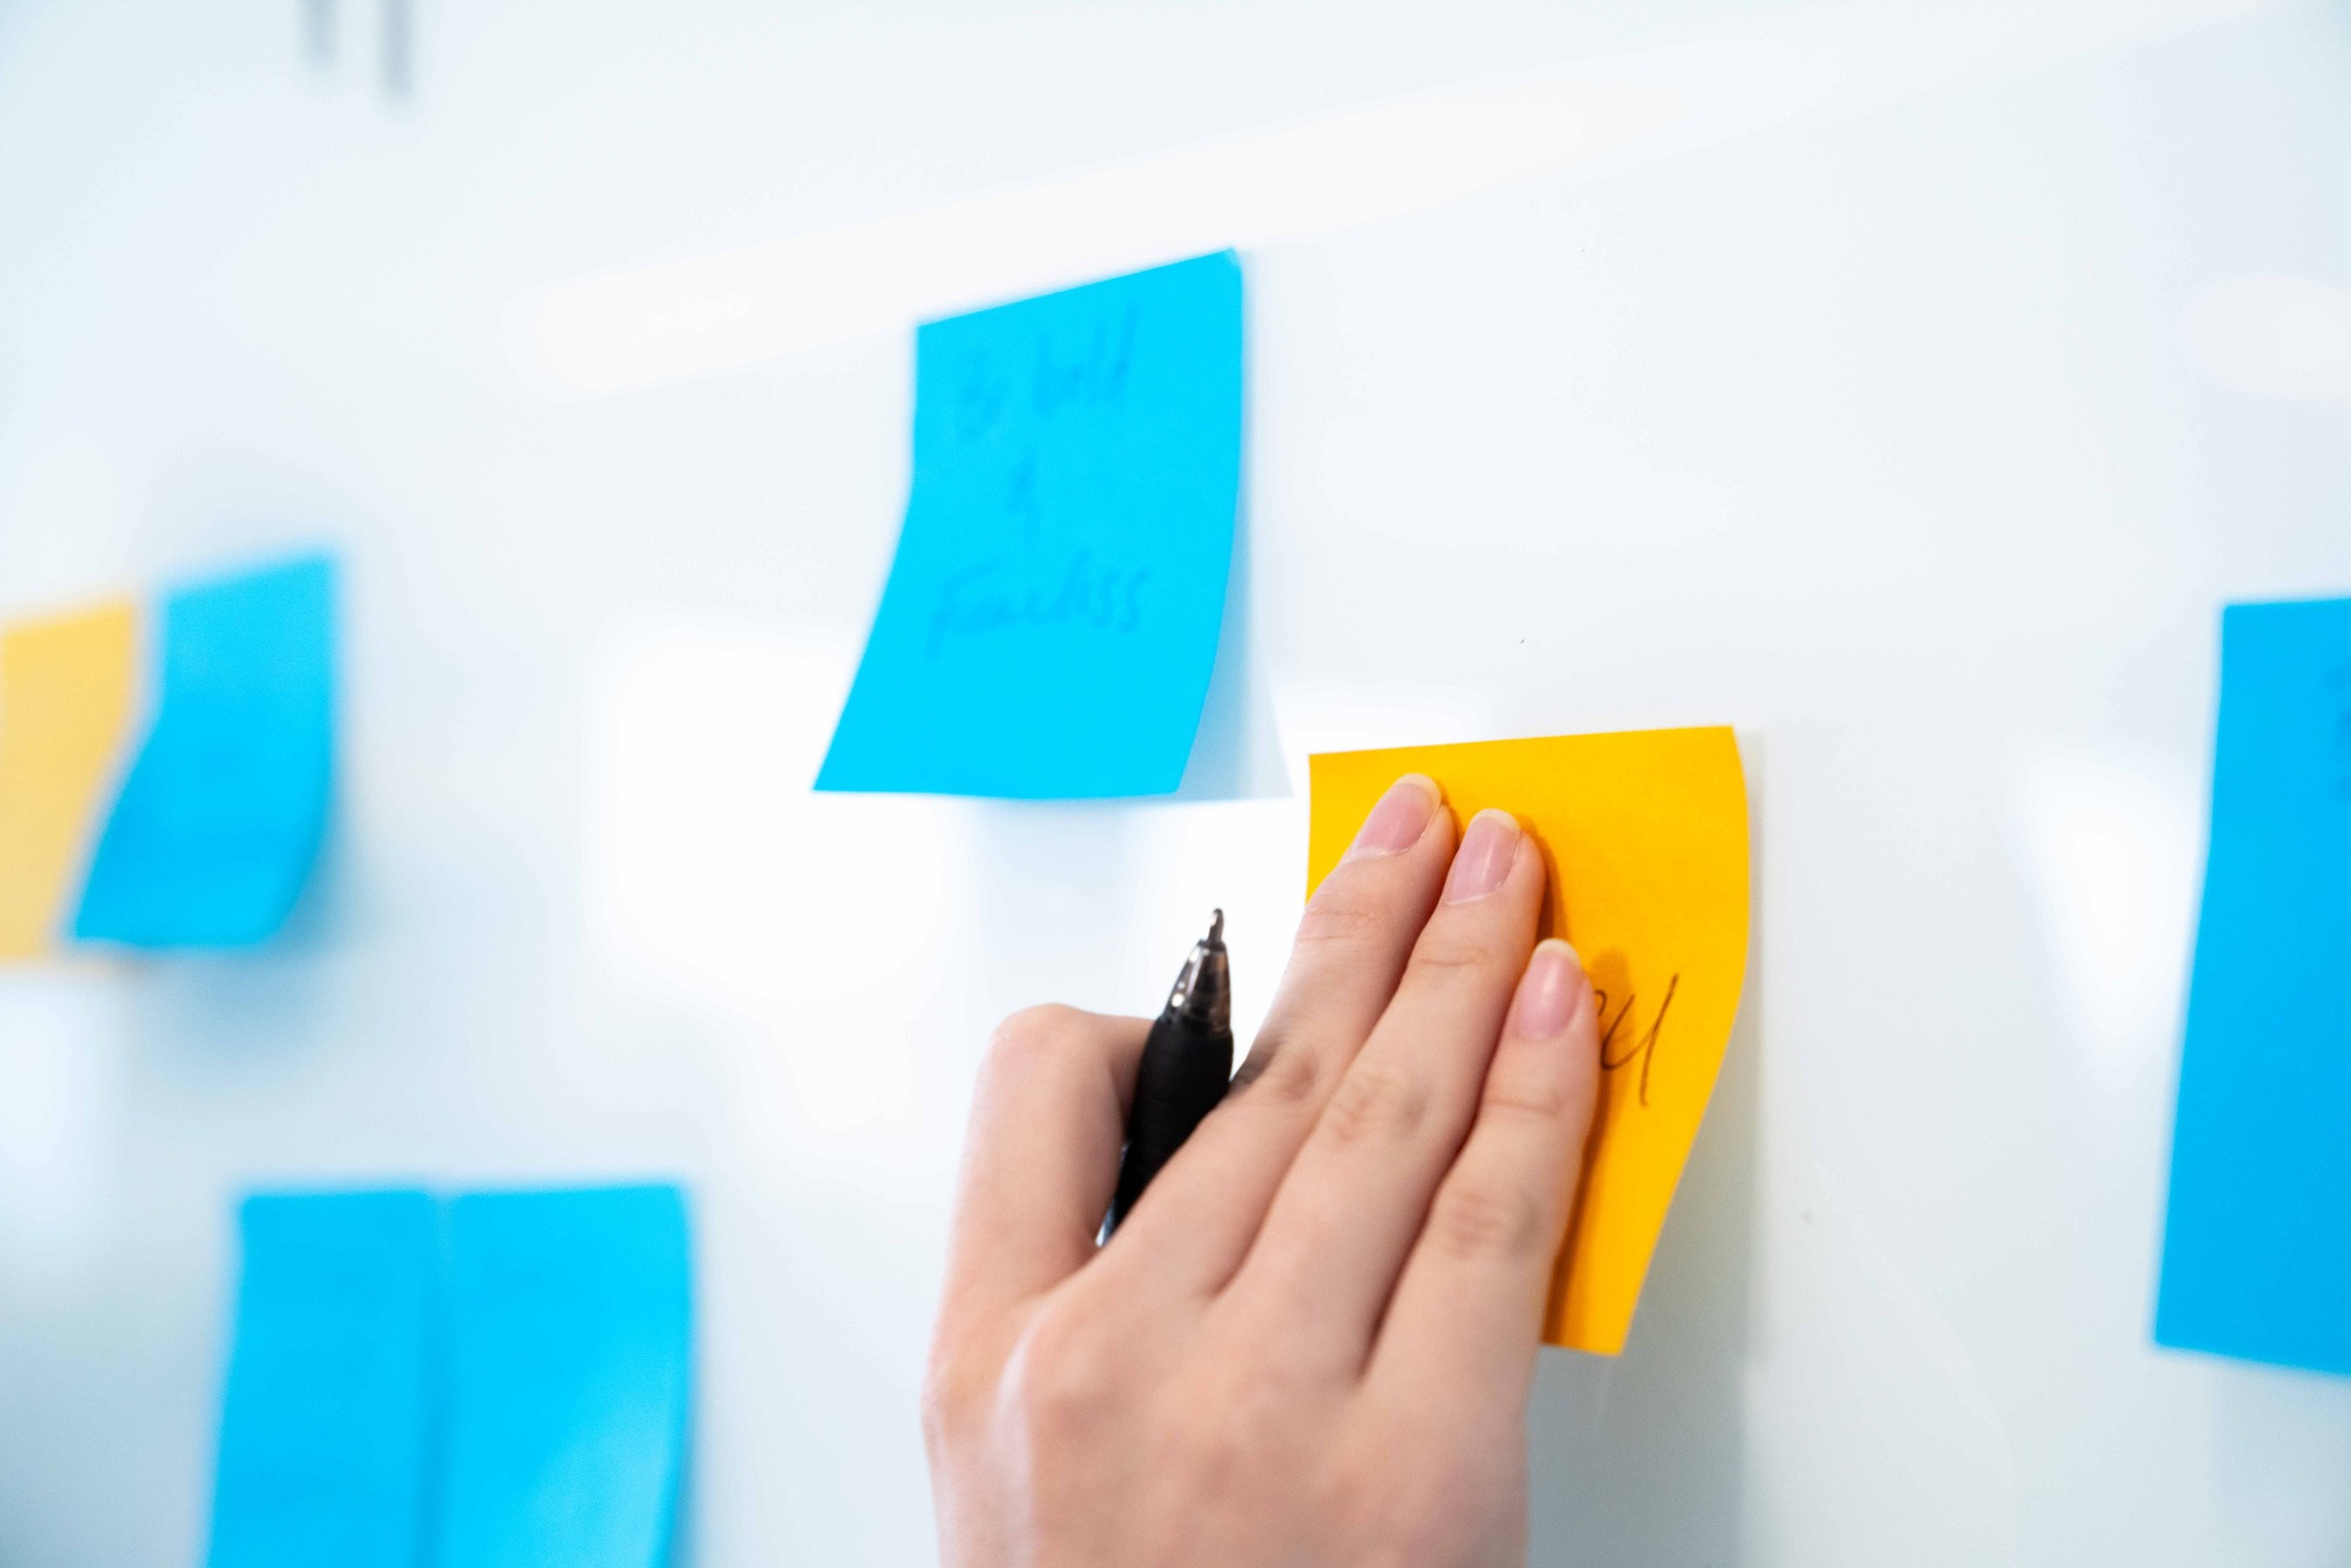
1198	1219
1041	1156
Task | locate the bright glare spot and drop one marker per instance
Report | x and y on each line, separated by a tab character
1245	857
716	874
592	336
2112	846
2276	337
58	1035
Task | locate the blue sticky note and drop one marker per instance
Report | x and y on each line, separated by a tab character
326	1421
219	819
1050	619
569	1369
2257	1243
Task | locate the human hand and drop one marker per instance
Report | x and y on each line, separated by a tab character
1310	1341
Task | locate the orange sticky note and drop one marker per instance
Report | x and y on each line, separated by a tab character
66	689
1644	834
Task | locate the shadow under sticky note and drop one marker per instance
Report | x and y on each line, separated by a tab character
570	1370
67	692
324	1423
2257	1235
1644	837
1050	619
220	818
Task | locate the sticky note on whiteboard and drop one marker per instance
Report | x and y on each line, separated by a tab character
1050	619
1644	836
69	689
2257	1232
219	818
569	1368
326	1421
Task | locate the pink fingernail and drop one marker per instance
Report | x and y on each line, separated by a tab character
1400	818
1484	857
1548	992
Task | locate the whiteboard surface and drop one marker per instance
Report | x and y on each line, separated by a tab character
1888	425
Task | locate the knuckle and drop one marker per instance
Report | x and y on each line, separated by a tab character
961	1379
1487	1221
1356	1492
1062	1377
1388	1509
1282	1070
1375	1104
1339	914
1241	1418
1537	1097
1212	1445
951	1396
1403	1490
1441	954
1034	1032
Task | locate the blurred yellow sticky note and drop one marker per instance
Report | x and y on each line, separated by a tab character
66	694
1644	834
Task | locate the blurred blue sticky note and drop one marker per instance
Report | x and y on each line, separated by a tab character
1050	621
2257	1244
570	1350
218	822
326	1420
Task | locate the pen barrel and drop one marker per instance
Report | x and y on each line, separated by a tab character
1183	1072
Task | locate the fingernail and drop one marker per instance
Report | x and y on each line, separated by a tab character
1400	818
1484	857
1549	990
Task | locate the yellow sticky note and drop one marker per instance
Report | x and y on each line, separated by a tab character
1644	835
66	687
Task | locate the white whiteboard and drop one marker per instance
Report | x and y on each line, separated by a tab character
1899	419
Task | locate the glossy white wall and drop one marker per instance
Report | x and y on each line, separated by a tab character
1906	424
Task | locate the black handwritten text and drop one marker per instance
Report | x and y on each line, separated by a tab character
1615	1056
994	596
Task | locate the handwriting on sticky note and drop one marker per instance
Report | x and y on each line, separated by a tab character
2257	1229
1032	586
1645	836
1052	616
1622	1047
993	596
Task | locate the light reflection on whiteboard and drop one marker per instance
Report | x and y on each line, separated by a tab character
718	877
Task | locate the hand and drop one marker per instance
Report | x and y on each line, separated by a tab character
1310	1341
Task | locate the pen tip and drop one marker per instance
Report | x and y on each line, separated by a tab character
1216	927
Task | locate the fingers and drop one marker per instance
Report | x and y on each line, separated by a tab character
1196	1220
1042	1154
1467	1314
1347	1214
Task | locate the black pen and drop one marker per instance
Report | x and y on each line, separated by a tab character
1186	1063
